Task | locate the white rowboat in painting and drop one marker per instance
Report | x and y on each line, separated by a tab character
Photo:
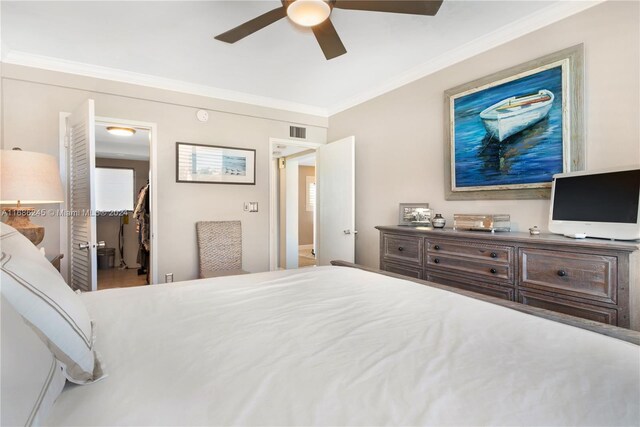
515	114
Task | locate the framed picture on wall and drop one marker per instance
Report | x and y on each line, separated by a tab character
213	164
507	134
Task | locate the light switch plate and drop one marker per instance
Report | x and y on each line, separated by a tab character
251	206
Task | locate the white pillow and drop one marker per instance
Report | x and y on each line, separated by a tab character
39	293
32	378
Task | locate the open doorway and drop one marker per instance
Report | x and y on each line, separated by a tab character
334	205
293	207
78	225
121	186
296	206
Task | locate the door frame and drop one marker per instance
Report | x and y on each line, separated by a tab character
274	235
153	181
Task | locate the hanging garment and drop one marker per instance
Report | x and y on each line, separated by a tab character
142	215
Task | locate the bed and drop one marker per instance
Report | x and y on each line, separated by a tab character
342	346
333	345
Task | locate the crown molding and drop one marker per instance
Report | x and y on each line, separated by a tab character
88	70
528	24
547	16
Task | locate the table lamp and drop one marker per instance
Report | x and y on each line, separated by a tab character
28	177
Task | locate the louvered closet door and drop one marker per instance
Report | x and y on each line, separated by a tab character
82	221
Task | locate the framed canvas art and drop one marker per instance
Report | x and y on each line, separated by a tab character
212	164
507	134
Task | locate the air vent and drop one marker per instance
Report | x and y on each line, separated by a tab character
297	132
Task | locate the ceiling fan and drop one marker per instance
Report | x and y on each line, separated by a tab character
315	14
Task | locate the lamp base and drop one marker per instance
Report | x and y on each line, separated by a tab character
18	218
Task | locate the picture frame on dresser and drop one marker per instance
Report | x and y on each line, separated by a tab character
414	214
508	133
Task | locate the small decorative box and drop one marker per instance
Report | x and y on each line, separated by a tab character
479	222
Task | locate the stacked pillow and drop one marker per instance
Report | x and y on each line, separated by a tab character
37	291
32	378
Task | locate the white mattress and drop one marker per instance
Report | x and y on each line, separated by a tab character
339	346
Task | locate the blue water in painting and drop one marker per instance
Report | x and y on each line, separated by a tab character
530	156
234	165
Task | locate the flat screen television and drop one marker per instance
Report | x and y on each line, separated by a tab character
603	204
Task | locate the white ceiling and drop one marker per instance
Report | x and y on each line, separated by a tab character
135	147
281	65
282	150
308	160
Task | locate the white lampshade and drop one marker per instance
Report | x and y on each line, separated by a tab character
309	13
29	177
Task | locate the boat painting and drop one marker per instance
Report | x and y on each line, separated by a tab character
508	134
514	114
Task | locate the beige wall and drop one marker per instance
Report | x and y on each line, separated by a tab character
305	218
108	227
399	135
32	100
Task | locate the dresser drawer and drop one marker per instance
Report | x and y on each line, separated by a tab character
573	308
471	267
472	250
493	290
407	249
587	276
415	272
593	279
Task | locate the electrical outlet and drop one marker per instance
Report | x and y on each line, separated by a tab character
168	278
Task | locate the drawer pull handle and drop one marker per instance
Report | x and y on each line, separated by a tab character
436	247
562	273
493	271
494	255
400	248
437	261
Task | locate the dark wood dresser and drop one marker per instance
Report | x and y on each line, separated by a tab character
588	278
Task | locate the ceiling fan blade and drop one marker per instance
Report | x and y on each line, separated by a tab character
250	27
413	7
328	40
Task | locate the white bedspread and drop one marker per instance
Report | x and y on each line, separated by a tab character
339	346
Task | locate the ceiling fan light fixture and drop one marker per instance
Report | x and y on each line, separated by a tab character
120	131
309	13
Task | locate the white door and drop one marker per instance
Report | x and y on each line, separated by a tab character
82	220
291	218
335	200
